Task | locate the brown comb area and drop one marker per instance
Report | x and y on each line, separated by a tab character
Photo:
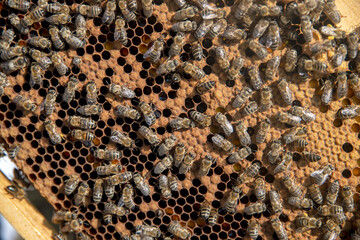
106	61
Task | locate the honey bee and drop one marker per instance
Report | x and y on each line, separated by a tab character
59	64
255	208
311	157
154	52
305	223
76	61
217	27
56	7
24	103
73	41
306	28
201	88
167	67
340	55
89	11
184	26
193	70
259	189
275	201
354	83
285	91
12	52
62	215
36	74
167	145
293	188
173	184
348	112
305	114
248	173
107	154
55	38
232	33
288	118
342	89
272	67
178	230
322	174
120	178
149	135
185	13
314	65
80	23
54	136
111	209
269	11
222	143
75	225
141	184
127	197
69	92
232	200
48	104
91	109
14	21
265	99
108	169
181	3
39	42
59	19
187	162
148	113
327	91
202	119
41	58
109	13
330	210
242	8
109	188
203	28
253	229
279	228
263	130
304	203
13	151
206	165
241	132
316	13
147	8
331	12
16	191
315	194
176	47
339	219
290	60
242	97
284	164
91	93
120	32
179	154
208	13
348	198
221	58
80	196
196	51
260	28
80	122
126	111
181	123
164	186
121	91
274	154
14	64
164	164
4	82
205	210
146	230
258	49
239	155
352	45
122	138
250	108
224	123
98	190
255	78
213	218
235	68
71	184
7	37
20	5
125	11
332	192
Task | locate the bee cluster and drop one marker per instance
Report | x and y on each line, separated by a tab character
98	150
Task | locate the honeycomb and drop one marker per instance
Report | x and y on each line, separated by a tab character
106	61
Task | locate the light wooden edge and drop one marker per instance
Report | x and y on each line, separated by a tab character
23	216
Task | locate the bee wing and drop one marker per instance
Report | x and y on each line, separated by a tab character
42	105
148	52
316	173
